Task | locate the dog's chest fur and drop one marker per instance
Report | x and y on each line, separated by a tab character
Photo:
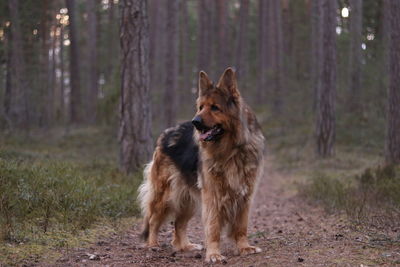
229	181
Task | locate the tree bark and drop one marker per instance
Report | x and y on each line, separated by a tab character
393	130
185	65
277	55
135	117
222	52
172	63
355	53
18	108
326	121
316	47
92	60
62	75
74	66
204	49
242	41
263	59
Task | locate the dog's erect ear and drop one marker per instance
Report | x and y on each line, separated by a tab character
228	82
204	83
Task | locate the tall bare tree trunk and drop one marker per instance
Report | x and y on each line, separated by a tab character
185	66
62	74
204	48
223	37
92	58
18	108
242	41
277	54
135	117
172	63
44	116
263	59
393	131
316	47
75	76
355	54
326	120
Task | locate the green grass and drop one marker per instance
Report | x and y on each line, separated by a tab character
55	186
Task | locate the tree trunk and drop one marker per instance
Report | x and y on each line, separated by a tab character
92	60
355	53
222	51
316	47
185	66
18	108
135	116
62	75
44	116
204	48
326	121
242	41
172	63
74	66
393	131
277	55
263	59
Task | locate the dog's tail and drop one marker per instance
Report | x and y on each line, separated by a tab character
145	196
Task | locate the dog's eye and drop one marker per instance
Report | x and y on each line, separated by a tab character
201	107
214	108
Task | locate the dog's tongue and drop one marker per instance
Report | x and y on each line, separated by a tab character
204	136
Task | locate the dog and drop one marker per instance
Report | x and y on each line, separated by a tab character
216	160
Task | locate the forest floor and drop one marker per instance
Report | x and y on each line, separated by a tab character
290	231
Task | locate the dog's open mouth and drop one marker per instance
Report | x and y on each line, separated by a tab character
210	134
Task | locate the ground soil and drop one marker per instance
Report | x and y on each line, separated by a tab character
290	231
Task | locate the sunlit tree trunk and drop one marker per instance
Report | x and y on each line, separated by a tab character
74	66
326	120
355	54
135	117
172	63
393	130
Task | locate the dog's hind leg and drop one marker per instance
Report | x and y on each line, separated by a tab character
157	217
180	241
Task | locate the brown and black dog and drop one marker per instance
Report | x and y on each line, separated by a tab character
216	160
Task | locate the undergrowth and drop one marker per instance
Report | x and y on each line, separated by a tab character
54	186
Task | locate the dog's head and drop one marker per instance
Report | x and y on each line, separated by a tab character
217	106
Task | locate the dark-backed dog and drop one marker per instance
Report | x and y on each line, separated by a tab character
214	160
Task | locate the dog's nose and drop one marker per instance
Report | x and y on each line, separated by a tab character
197	122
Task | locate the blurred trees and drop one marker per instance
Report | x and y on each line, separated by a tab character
70	62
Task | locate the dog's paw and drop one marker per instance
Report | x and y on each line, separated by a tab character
153	246
188	247
249	250
215	257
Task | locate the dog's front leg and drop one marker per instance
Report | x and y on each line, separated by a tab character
212	225
239	232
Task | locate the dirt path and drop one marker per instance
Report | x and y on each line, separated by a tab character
290	232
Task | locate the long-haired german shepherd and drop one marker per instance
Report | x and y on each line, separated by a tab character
214	160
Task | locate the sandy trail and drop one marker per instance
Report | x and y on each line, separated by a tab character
290	231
